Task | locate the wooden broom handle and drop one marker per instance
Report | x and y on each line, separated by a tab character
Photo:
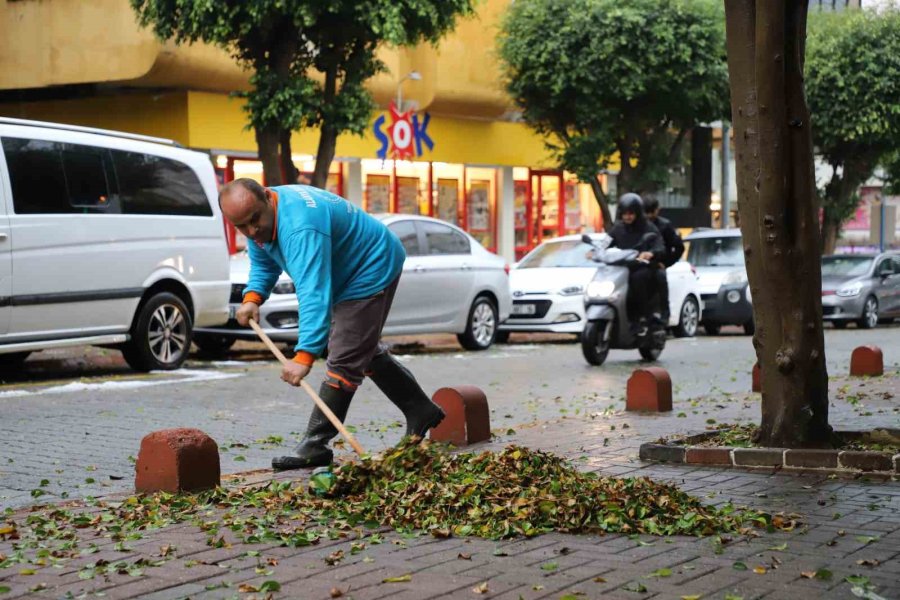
308	389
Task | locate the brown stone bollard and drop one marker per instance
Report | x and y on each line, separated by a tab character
866	360
757	378
649	389
468	419
177	460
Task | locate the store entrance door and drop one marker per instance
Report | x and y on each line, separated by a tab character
547	204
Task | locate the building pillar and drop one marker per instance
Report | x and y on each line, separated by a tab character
354	184
506	215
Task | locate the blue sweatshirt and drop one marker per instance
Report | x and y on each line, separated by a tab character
331	249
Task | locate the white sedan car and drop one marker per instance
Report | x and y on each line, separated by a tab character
450	284
548	290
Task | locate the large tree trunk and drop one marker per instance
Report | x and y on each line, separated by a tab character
779	217
830	232
287	162
603	200
328	134
267	143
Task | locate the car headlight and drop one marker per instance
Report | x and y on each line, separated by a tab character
600	289
572	290
735	277
284	287
853	289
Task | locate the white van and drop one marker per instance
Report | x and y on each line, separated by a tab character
109	239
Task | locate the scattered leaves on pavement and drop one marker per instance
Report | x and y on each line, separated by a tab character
481	588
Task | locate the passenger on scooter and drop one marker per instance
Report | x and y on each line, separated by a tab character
629	233
674	247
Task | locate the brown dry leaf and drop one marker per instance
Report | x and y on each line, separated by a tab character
440	533
7	529
272	562
246	588
759	570
335	557
481	588
807	574
599	580
868	562
464	556
165	550
335	593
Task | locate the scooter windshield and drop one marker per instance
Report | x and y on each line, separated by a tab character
615	256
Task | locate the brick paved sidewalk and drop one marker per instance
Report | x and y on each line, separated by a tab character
851	528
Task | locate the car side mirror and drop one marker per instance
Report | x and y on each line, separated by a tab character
587	239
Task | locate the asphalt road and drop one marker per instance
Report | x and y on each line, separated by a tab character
71	422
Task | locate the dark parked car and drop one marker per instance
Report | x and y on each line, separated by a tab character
862	288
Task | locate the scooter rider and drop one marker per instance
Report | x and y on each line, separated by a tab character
628	233
674	247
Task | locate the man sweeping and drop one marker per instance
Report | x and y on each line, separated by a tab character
345	266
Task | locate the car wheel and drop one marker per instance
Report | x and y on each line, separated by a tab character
595	341
869	315
712	328
214	345
502	337
161	334
12	360
750	327
481	327
840	324
688	318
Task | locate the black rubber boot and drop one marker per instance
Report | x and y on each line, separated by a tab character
313	451
401	388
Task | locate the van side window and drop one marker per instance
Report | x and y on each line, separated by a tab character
53	178
152	185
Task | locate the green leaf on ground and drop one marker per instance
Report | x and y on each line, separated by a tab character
824	574
866	539
857	579
239	458
664	572
635	586
779	548
270	586
691	597
739	566
400	579
550	566
732	597
5	589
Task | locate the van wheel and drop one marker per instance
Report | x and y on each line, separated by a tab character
688	318
160	336
481	327
214	345
12	360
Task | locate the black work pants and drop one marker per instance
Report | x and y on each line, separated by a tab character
643	285
662	286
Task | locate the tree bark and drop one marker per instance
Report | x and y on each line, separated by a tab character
267	143
779	216
603	200
328	133
830	231
287	162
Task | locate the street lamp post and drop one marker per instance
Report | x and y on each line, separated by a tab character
414	76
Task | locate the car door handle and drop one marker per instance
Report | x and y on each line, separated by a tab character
3	237
466	267
419	269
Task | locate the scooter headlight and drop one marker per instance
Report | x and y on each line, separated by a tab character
600	289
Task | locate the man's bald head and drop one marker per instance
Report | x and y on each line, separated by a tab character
249	207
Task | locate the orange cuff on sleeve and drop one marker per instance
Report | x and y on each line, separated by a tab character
304	358
253	297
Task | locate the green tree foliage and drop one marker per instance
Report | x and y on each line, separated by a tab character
284	44
853	90
597	77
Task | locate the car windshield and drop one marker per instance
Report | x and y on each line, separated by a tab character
716	252
845	266
572	253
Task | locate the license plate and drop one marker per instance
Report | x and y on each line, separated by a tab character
232	309
524	309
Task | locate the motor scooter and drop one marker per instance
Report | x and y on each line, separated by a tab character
605	303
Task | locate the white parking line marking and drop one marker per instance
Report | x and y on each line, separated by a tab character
189	376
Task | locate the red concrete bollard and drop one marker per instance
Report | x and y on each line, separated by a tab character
649	389
468	419
867	360
177	460
757	378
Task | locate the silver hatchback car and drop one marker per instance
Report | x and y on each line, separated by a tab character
861	288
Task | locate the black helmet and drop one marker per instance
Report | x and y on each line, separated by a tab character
631	202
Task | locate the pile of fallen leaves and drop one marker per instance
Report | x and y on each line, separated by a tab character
514	492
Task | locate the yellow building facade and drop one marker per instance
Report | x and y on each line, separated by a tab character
468	161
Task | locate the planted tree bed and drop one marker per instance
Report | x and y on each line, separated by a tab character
875	451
